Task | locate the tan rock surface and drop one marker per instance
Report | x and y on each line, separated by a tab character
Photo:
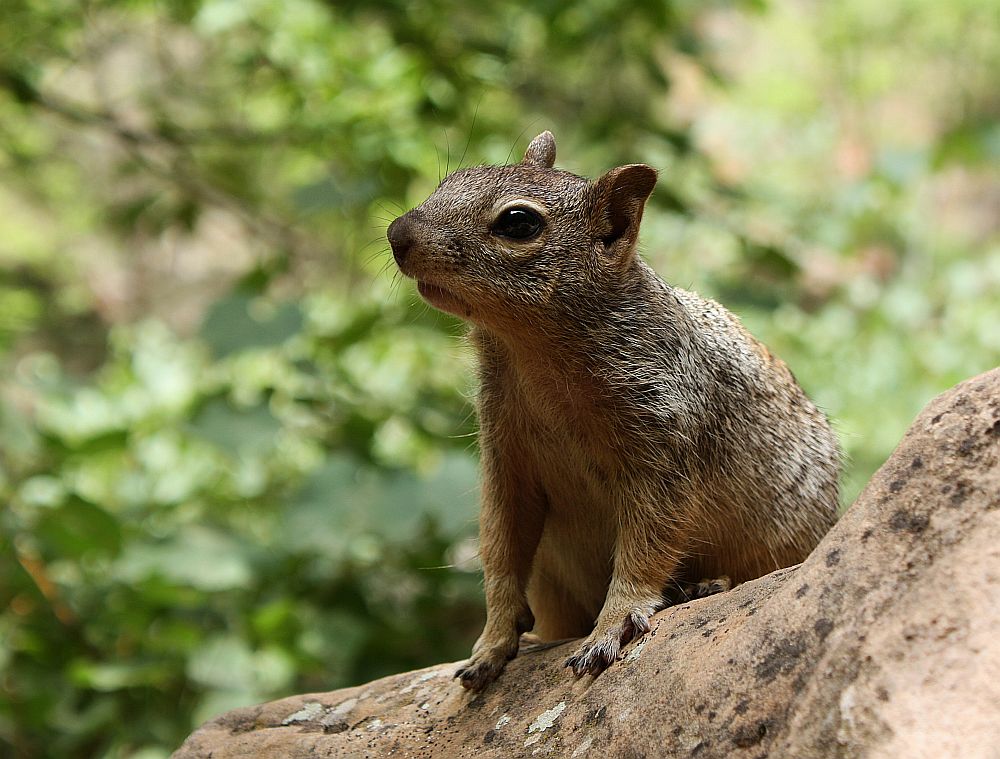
885	642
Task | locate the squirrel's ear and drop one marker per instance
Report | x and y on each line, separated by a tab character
618	199
541	151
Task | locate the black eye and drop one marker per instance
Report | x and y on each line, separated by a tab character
518	224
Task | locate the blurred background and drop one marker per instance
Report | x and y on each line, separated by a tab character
237	454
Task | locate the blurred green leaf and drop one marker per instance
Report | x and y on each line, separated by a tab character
113	677
974	144
344	501
199	557
234	430
240	322
80	530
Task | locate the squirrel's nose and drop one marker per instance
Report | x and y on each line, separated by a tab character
400	234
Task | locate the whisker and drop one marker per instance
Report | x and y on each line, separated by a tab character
472	129
392	212
376	254
519	137
447	162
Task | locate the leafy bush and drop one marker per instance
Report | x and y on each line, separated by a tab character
237	456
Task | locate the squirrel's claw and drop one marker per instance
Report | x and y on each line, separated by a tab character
477	675
601	650
484	667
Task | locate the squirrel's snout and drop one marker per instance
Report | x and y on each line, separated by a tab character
401	237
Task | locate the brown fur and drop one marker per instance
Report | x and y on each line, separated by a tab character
635	437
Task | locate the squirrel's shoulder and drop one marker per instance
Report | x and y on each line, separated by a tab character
723	335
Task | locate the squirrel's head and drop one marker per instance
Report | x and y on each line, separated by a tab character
499	244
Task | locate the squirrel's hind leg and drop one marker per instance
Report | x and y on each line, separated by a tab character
682	592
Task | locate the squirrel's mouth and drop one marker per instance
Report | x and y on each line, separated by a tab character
443	299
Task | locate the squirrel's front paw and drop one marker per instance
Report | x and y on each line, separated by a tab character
495	647
604	645
485	666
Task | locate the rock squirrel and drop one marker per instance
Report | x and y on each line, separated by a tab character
635	438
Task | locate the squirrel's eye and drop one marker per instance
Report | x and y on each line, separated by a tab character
518	224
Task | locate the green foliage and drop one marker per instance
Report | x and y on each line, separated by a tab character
186	532
237	457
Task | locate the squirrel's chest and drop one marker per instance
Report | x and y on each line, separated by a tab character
566	429
574	443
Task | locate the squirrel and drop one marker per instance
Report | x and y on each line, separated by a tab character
634	437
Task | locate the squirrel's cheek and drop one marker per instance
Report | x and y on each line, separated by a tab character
444	300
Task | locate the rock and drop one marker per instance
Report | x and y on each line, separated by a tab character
883	643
